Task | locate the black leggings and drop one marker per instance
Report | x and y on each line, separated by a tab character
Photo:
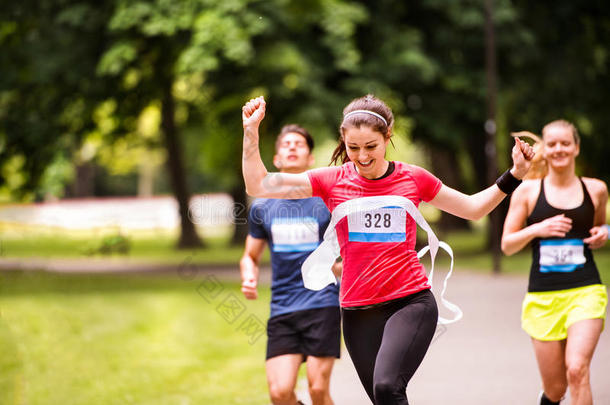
387	343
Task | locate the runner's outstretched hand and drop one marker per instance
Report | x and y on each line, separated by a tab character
522	155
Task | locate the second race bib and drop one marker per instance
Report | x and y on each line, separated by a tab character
387	224
561	255
295	234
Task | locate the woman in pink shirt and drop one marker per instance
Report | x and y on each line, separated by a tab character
389	313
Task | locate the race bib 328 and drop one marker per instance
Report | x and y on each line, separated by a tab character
387	224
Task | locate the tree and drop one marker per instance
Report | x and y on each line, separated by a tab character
298	55
198	61
180	41
495	225
428	58
48	89
136	54
561	70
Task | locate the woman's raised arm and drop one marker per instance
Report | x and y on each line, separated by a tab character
478	205
259	182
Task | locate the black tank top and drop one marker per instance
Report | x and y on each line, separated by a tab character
566	262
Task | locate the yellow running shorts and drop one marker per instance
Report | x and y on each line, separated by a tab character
547	315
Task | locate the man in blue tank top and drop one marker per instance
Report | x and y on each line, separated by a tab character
304	325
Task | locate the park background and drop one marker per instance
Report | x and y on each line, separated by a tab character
122	206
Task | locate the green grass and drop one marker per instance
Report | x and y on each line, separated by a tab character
68	339
157	249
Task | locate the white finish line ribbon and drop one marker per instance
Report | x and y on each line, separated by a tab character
316	269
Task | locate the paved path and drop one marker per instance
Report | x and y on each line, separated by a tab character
483	359
108	265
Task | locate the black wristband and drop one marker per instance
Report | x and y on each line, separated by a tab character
508	183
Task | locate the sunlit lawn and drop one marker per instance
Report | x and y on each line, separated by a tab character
68	339
157	247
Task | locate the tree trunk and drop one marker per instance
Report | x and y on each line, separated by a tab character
240	214
146	179
476	144
495	230
84	181
445	167
171	137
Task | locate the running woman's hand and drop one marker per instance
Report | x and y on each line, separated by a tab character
522	155
248	288
598	238
557	227
253	112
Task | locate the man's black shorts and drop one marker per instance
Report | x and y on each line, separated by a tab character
312	332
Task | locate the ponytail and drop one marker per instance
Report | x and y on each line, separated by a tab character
339	154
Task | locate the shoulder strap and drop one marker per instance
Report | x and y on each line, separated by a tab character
586	195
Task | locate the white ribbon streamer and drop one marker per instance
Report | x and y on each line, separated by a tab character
317	268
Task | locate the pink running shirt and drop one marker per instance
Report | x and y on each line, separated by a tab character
377	247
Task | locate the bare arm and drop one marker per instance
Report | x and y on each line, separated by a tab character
478	205
259	182
516	235
599	232
465	206
338	267
600	212
248	266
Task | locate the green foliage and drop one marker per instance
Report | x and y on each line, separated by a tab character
112	244
117	58
64	61
562	71
339	20
56	175
47	89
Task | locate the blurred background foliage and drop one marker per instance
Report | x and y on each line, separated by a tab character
118	97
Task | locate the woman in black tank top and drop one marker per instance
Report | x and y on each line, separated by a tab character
563	217
543	278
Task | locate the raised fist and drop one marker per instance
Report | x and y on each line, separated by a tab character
253	112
